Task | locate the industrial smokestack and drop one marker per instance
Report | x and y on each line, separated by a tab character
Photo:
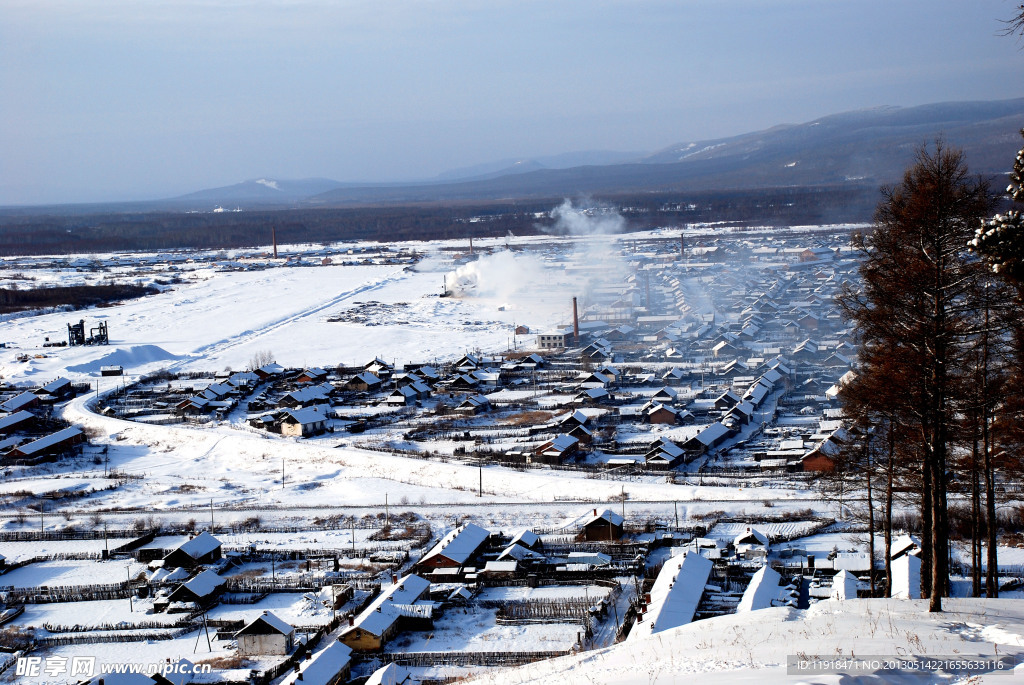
273	237
682	246
575	322
470	244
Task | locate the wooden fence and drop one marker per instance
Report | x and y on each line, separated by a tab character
509	658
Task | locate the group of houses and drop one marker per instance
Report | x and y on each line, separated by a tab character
29	434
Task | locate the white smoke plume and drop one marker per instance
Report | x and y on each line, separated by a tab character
499	275
585	221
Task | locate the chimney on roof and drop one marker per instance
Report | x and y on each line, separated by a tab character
595	511
394	579
351	620
575	322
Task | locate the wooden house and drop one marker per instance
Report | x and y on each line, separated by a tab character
266	634
201	590
455	549
54	444
314	375
17	421
364	382
557	450
59	389
269	371
24	400
201	549
371	630
604	526
663	453
302	423
474	404
657	413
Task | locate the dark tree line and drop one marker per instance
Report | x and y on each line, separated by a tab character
79	296
23	233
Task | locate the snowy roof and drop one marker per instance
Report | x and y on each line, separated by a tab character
763	588
844	586
325	666
305	416
368	378
18	401
199	546
711	433
55	385
383	611
525	537
271	368
49	440
392	674
15	418
460	544
204	583
607	515
259	625
676	593
519	553
501	566
751	536
589	558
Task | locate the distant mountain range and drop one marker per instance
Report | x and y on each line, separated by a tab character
865	147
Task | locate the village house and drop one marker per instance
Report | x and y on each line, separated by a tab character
266	634
604	526
456	548
314	375
54	444
364	382
201	549
269	371
18	421
556	450
201	590
302	423
24	400
371	630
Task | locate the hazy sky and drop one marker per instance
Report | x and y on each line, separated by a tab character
140	99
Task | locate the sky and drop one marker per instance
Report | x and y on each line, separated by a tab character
127	100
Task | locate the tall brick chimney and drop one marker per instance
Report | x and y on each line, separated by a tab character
575	322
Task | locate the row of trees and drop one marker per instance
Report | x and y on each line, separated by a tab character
936	409
933	412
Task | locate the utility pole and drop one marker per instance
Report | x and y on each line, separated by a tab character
282	473
211	516
131	605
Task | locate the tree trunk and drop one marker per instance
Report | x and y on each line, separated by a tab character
887	521
871	521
